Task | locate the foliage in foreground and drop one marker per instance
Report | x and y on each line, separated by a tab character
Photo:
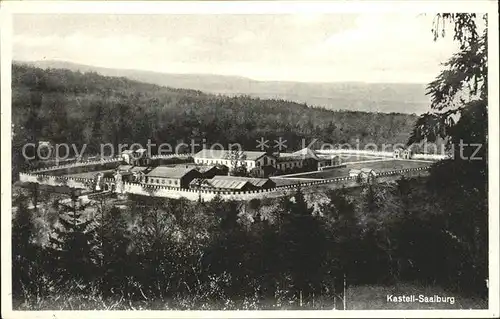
264	254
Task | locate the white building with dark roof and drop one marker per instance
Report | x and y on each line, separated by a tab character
172	176
249	159
289	161
305	157
136	157
401	153
208	171
132	173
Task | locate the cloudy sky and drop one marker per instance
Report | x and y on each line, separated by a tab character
366	47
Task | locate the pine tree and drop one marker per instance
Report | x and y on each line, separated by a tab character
115	239
74	244
459	114
22	227
22	250
304	243
224	258
237	167
343	240
152	240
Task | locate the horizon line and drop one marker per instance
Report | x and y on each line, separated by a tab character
211	74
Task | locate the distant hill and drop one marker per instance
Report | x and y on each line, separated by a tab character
355	96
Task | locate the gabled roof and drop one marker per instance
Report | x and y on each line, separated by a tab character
136	151
132	168
204	169
226	154
327	156
200	182
138	169
285	157
200	168
124	167
306	153
169	172
220	183
258	182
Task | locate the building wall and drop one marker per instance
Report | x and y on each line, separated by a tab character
308	187
163	181
325	163
72	182
250	164
127	158
212	161
265	161
191	194
403	154
290	164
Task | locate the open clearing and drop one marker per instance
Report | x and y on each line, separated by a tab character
345	158
389	165
380	166
331	173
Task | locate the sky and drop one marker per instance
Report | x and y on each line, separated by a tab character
365	47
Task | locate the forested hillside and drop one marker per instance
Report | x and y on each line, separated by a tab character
355	96
63	106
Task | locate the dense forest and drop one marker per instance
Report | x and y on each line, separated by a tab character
62	106
290	253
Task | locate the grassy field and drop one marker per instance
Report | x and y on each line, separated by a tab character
331	173
358	158
380	166
389	165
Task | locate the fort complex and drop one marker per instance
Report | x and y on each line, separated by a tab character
230	174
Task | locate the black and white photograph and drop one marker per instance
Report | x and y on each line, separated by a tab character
249	159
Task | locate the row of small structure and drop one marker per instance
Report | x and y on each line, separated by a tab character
43	179
187	155
283	187
384	154
104	161
30	177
